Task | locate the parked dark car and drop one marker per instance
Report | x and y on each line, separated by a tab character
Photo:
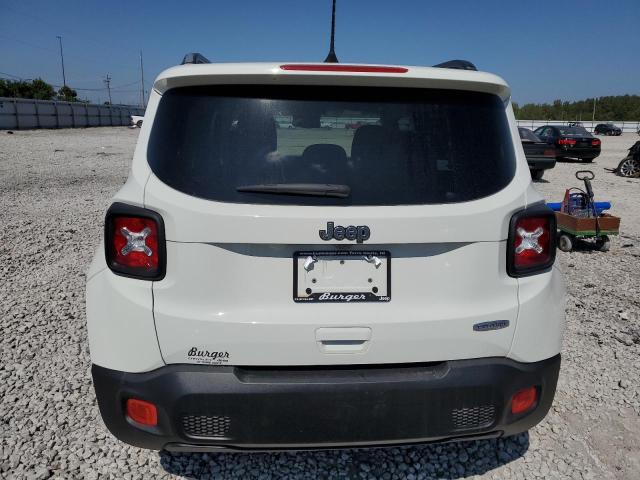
540	155
570	142
607	129
630	165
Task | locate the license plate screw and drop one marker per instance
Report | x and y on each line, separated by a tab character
308	290
374	289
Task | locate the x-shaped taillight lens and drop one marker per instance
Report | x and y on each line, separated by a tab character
136	241
531	242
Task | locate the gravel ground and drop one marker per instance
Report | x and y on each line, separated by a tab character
54	189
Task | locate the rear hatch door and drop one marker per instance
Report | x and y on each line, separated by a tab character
433	181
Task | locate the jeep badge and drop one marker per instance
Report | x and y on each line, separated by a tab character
359	233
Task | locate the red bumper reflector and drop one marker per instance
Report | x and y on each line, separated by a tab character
524	400
142	412
334	67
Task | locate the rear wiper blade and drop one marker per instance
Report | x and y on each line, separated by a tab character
312	189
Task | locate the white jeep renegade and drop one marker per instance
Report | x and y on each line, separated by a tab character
386	280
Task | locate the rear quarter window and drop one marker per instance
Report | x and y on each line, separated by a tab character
390	146
528	135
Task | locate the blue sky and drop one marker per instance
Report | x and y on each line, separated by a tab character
569	49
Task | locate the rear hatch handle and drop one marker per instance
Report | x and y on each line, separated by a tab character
343	340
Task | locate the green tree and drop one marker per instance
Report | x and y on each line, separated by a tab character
41	90
4	88
67	94
619	108
37	88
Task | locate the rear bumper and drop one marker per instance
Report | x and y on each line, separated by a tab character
586	152
212	407
541	163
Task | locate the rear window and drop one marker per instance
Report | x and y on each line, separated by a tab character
388	146
574	131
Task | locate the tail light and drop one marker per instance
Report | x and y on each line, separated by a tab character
595	142
142	412
532	241
566	141
134	242
524	400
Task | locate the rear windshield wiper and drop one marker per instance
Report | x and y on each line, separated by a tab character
312	189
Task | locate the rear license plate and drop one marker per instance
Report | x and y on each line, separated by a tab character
342	276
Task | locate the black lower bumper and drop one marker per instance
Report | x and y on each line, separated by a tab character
211	407
541	163
579	152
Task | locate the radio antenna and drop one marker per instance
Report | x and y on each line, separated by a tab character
331	57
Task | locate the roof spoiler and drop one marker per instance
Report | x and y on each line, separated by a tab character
193	58
458	65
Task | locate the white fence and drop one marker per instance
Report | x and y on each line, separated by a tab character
627	127
27	113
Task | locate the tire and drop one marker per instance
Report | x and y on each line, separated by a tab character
587	160
565	242
537	174
629	168
603	243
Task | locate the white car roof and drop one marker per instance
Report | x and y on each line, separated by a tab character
278	73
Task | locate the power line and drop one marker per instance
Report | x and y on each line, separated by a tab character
127	85
32	45
83	58
74	33
95	90
118	89
80	58
10	75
